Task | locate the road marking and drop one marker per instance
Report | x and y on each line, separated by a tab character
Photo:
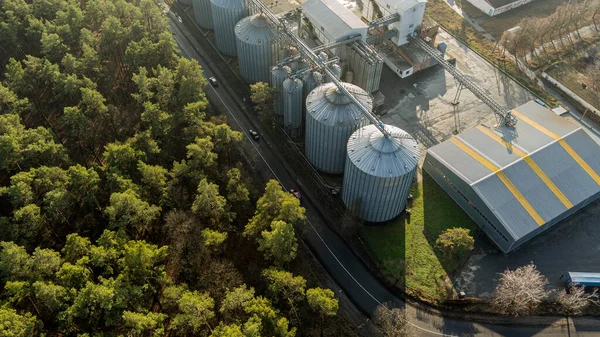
532	164
308	221
562	143
503	178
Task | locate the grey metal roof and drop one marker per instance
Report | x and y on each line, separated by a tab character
377	155
335	19
528	175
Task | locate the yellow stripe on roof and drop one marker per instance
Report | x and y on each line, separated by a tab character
503	178
562	143
532	164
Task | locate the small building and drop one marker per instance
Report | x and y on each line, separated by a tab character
515	183
332	21
495	7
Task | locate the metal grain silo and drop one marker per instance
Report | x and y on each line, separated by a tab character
311	80
298	64
278	75
292	106
226	14
379	172
256	48
336	70
331	118
202	13
287	52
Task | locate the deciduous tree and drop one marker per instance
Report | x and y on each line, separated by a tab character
520	291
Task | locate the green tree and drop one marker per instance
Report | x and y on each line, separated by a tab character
195	312
128	212
213	239
153	182
14	325
279	243
274	204
232	330
262	95
144	324
14	262
236	190
323	302
454	242
209	204
76	247
22	149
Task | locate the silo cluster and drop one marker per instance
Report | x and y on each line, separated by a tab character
202	13
256	48
331	118
379	172
225	15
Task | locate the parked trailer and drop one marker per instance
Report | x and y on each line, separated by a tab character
583	279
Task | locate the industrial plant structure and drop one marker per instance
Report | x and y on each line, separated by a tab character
516	182
379	172
341	133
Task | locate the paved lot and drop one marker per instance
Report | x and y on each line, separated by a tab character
572	245
421	104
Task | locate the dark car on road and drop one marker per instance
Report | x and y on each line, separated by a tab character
213	81
254	134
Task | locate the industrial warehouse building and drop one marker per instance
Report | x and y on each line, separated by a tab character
332	21
517	182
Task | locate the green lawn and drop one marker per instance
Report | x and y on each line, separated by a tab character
405	250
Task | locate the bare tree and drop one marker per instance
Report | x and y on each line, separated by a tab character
391	322
520	291
593	7
592	72
575	300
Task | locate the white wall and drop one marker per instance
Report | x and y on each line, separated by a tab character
410	20
510	6
484	6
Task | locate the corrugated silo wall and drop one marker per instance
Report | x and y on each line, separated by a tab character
375	199
202	13
255	61
326	145
292	106
225	16
463	194
367	73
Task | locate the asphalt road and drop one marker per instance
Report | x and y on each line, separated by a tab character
363	288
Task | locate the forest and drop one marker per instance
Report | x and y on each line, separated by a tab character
125	206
